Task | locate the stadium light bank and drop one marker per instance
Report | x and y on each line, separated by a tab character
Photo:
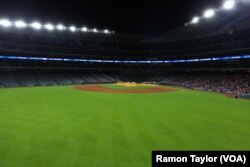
20	24
226	6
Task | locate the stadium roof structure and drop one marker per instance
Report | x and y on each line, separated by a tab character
221	23
211	22
227	5
184	44
20	24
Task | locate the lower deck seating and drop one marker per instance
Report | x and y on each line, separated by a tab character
110	78
27	78
7	80
100	78
44	79
229	83
75	78
89	79
61	79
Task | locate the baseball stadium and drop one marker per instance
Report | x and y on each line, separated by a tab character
74	97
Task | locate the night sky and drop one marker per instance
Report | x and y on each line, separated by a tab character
136	17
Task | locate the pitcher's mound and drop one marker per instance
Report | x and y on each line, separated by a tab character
100	88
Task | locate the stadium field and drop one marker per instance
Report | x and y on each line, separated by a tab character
65	127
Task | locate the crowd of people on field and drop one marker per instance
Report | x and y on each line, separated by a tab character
236	84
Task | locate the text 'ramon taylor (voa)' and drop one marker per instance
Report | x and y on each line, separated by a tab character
202	160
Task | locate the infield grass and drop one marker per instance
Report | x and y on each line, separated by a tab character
63	127
120	87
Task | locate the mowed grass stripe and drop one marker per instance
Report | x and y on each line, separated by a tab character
60	126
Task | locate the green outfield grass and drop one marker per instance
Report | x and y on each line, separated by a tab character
63	127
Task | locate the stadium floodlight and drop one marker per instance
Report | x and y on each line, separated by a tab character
106	31
95	30
209	13
195	20
49	27
36	25
84	29
60	27
229	4
20	24
72	28
5	23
